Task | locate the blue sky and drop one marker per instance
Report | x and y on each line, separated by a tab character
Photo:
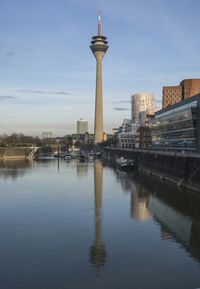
47	71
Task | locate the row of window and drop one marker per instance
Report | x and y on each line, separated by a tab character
186	90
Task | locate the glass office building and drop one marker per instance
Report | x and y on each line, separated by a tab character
177	128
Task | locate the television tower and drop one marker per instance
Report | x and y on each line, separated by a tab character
99	47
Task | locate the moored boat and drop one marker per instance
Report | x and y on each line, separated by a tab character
67	156
124	164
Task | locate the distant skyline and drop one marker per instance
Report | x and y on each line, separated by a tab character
47	71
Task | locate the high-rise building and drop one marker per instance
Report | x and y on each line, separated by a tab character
175	94
47	135
143	104
99	47
82	126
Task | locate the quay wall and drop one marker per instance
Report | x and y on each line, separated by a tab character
182	169
22	152
14	152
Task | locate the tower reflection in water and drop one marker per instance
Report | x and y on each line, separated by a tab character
98	250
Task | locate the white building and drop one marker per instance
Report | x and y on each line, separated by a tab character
47	135
82	126
126	135
143	104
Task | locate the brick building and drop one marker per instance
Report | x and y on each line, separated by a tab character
175	94
190	87
171	95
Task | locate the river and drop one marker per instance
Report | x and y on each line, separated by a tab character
72	225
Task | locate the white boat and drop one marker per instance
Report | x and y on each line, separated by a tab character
90	156
68	156
124	164
46	156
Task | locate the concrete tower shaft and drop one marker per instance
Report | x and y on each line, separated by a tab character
99	47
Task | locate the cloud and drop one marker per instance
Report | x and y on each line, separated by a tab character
43	92
31	50
122	101
121	108
10	54
7	97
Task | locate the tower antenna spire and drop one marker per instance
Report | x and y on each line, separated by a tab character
99	23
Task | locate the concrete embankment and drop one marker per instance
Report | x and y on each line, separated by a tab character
181	169
17	153
14	152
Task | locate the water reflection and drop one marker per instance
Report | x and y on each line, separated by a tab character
98	250
177	212
140	203
81	169
48	221
12	169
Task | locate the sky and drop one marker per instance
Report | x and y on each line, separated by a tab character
47	71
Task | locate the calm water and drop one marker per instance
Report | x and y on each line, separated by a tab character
85	225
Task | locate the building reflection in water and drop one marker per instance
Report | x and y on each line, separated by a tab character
81	169
183	228
12	169
98	249
178	214
140	204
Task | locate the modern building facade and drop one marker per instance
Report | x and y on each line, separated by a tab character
127	134
143	104
175	94
82	126
99	47
177	127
